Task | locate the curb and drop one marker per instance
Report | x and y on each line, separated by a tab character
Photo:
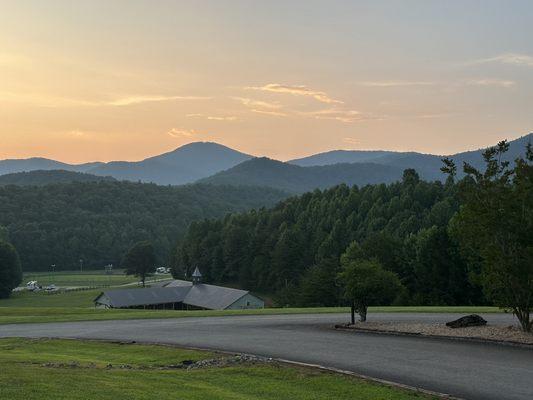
422	335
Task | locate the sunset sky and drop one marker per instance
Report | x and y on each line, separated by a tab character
103	80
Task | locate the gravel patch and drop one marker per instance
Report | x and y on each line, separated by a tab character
511	334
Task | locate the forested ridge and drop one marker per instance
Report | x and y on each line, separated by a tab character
294	249
98	221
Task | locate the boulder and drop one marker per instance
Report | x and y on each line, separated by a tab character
469	320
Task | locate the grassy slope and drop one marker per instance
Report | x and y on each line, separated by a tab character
11	315
89	278
79	372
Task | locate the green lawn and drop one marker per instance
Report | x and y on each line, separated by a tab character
88	278
12	315
68	369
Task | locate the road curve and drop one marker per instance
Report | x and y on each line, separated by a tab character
468	370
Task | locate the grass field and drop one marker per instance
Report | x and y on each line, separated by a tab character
12	315
68	369
88	278
25	306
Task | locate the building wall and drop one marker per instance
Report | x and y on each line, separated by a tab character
246	302
102	302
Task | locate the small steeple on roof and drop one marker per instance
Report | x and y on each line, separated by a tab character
196	273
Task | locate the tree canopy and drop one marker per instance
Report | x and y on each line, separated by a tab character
140	260
99	221
10	271
294	249
495	228
366	282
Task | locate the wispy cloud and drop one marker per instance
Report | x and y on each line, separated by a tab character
491	82
269	112
394	83
257	103
507	58
50	100
130	100
347	116
179	132
213	117
296	90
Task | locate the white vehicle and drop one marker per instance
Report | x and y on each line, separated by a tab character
51	288
162	270
32	285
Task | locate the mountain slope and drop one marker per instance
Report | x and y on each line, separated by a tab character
295	179
45	177
99	221
186	164
341	156
427	165
37	163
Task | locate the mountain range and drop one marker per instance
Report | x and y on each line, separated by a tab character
218	164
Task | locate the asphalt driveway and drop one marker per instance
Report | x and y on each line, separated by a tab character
469	370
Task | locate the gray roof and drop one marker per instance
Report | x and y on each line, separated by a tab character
212	297
145	296
178	291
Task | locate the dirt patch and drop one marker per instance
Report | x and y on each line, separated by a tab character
494	333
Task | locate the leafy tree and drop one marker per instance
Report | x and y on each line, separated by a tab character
495	226
366	283
10	270
140	260
318	287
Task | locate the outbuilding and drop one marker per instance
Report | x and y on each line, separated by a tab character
180	295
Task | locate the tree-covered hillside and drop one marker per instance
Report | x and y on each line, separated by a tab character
98	221
294	249
295	179
46	177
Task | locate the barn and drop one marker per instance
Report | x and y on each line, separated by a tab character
180	295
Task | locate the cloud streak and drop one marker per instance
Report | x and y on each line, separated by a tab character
213	117
386	84
132	100
179	132
492	82
507	58
296	90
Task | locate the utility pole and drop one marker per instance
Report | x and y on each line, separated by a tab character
81	265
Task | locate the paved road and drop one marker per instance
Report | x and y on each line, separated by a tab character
469	370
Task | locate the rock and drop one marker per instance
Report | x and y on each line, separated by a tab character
469	320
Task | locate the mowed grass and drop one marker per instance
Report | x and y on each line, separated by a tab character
88	278
68	369
12	315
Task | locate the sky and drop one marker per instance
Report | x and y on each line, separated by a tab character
126	79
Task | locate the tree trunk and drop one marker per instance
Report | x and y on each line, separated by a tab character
362	313
523	318
353	313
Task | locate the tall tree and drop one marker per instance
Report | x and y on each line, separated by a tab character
140	261
10	270
495	225
366	283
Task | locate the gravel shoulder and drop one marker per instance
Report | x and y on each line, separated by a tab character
494	333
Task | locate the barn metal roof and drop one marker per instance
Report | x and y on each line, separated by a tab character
212	297
145	296
178	291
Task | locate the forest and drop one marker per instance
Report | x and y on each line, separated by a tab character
61	224
294	249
